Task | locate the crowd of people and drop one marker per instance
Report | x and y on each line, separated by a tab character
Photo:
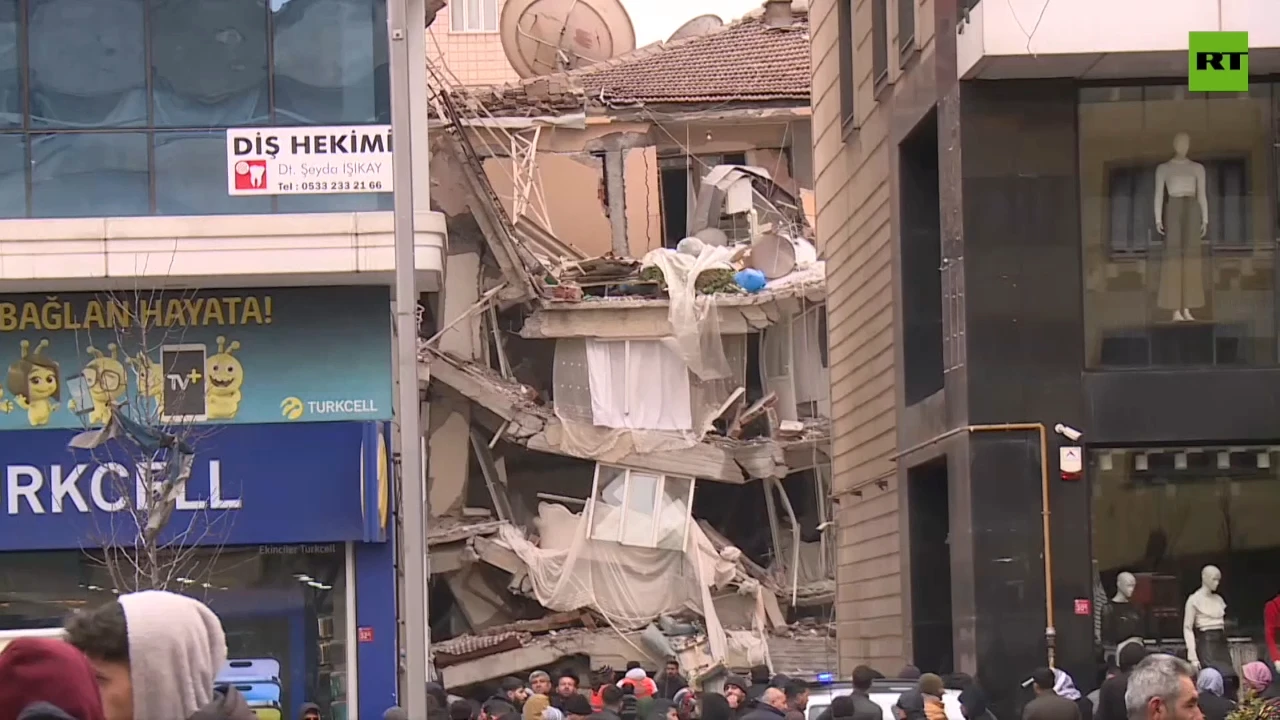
155	655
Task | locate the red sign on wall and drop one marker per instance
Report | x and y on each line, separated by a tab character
364	634
1083	606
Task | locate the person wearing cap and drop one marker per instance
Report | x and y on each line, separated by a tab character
1111	705
1048	705
931	689
47	679
735	693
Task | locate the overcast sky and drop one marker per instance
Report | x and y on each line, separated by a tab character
656	19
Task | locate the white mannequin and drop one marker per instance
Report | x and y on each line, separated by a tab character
1181	287
1205	610
1125	584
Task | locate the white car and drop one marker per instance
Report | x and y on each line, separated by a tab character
883	693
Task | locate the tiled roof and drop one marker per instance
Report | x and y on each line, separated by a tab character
747	61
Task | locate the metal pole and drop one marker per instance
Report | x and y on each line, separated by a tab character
413	550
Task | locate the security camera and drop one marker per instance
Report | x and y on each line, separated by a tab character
1068	432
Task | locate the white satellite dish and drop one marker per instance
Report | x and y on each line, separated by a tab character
700	25
548	36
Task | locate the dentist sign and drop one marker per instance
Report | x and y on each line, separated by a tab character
309	160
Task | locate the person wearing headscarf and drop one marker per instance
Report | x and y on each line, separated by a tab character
1257	680
1213	703
534	706
1064	686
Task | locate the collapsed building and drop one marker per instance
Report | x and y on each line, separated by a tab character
629	457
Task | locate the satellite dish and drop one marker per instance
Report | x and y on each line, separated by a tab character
548	36
700	25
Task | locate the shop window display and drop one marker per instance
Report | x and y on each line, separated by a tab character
1178	226
283	608
1186	551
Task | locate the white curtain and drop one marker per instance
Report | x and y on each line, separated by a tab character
638	385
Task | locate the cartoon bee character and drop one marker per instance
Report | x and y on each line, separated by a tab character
224	376
150	379
107	381
36	383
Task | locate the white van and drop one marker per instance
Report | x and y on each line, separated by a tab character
8	636
883	693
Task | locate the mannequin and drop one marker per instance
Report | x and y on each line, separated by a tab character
1204	625
1124	620
1183	180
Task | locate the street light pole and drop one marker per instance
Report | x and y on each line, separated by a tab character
413	523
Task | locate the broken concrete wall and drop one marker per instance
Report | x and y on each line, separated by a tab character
571	186
449	450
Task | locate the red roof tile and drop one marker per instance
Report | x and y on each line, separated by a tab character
747	61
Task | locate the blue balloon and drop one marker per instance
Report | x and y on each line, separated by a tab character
751	280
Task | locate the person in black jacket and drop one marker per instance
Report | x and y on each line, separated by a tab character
671	681
1111	696
771	706
759	683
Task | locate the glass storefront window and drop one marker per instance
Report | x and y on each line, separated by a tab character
284	604
149	132
1160	517
1177	198
10	70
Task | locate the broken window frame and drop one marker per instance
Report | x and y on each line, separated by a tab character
783	338
655	510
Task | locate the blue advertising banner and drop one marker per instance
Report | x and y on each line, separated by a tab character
251	485
220	356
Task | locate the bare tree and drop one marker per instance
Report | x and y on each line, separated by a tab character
143	397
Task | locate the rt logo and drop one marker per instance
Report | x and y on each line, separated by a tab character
291	408
1218	62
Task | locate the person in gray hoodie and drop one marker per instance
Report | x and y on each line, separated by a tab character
156	654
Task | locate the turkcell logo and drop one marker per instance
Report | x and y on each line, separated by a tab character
1218	62
294	408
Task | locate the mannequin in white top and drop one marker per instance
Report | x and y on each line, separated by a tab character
1184	224
1204	624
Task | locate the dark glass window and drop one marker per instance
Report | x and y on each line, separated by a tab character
110	136
209	63
89	174
13	179
191	177
87	61
330	65
10	67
